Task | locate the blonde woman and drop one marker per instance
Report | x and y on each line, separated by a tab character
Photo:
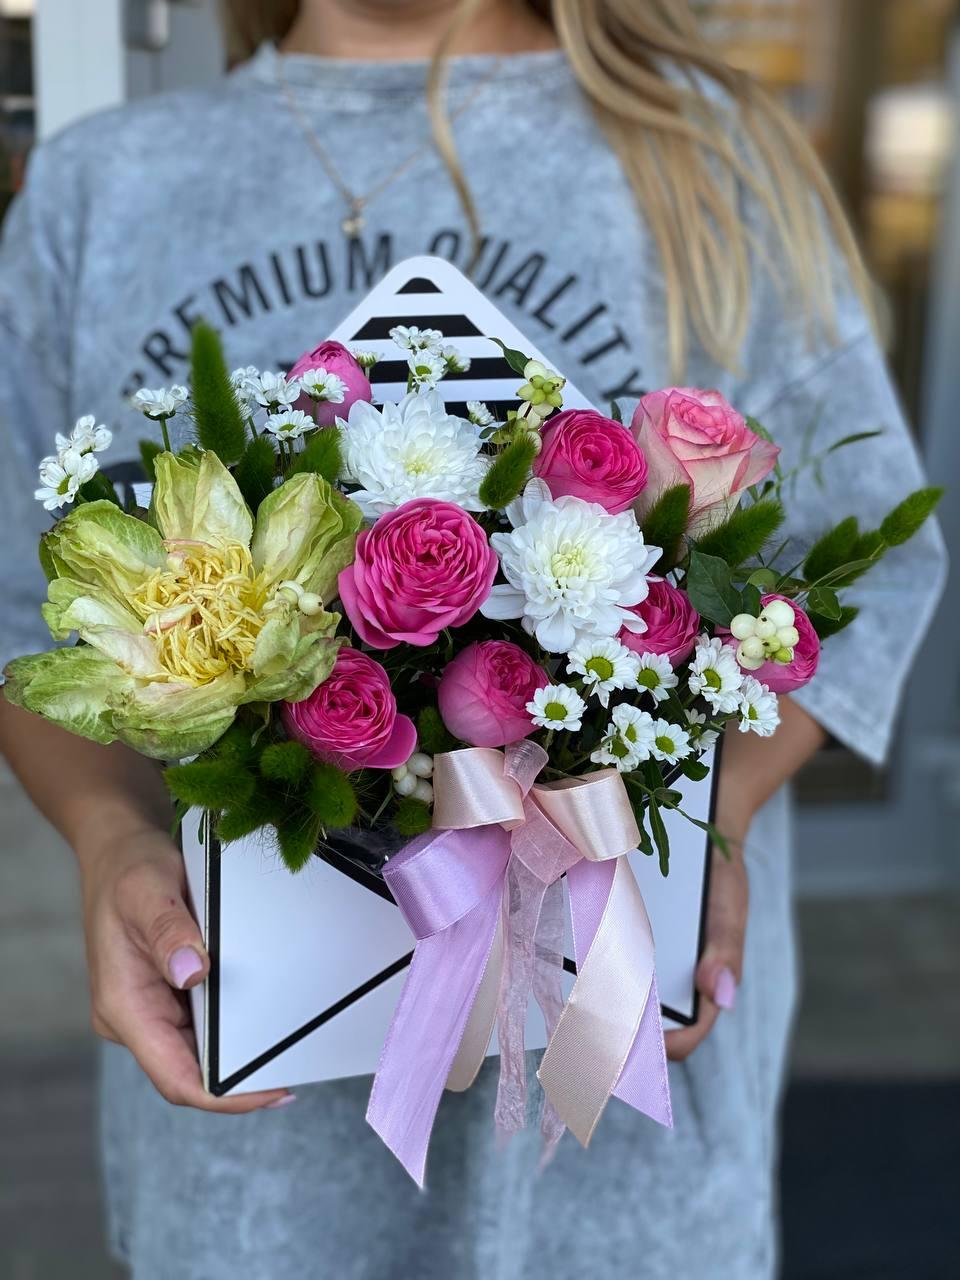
647	216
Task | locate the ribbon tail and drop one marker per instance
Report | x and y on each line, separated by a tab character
548	992
523	896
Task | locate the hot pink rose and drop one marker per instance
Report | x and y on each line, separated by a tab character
334	358
696	438
421	568
784	677
351	719
484	692
672	624
592	457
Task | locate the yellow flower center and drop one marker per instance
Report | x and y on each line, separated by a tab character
205	609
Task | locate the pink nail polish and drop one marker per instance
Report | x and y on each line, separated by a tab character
281	1102
184	963
725	990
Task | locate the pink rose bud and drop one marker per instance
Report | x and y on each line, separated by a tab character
696	438
420	569
351	719
484	692
672	624
334	358
592	457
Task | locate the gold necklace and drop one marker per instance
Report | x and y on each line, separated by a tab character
356	201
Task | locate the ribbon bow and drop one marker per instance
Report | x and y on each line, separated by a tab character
482	894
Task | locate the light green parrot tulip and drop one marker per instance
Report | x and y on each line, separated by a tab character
183	622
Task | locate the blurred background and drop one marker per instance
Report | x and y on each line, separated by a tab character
871	1162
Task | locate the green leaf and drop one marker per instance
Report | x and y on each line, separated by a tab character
148	456
823	600
615	412
750	600
827	627
661	839
831	551
856	438
765	580
210	784
666	522
709	585
744	534
507	476
694	770
515	359
255	471
323	455
906	519
220	422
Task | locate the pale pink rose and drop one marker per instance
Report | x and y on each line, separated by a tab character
351	719
672	623
484	692
696	438
592	457
334	358
784	677
421	568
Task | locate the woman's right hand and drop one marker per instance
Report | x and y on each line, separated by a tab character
144	950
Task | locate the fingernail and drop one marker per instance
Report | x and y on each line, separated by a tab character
725	990
184	963
281	1102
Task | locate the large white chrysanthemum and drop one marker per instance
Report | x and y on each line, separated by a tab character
572	570
414	449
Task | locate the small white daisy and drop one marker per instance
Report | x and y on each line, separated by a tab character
479	414
86	437
245	382
628	740
758	708
703	738
715	676
656	675
557	706
289	425
161	403
276	391
413	339
427	368
367	360
321	385
670	742
456	363
62	476
605	664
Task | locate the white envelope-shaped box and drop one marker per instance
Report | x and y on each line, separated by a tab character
306	969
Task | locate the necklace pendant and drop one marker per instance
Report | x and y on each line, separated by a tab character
354	221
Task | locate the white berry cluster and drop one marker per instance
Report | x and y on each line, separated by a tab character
412	778
770	637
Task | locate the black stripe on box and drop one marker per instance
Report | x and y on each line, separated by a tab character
419	285
491	367
455	326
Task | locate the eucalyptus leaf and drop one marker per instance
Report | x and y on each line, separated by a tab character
515	359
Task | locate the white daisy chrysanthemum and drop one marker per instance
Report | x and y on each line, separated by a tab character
414	449
367	360
758	708
164	402
245	382
86	437
413	339
704	739
605	665
573	570
557	706
321	385
479	414
62	476
456	361
714	674
289	425
426	367
275	390
656	675
628	740
670	743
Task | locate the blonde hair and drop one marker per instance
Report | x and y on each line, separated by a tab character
694	137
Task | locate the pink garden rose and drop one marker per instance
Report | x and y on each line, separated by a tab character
421	568
784	677
592	457
334	358
672	623
484	692
696	438
351	719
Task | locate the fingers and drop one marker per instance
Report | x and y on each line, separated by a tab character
151	901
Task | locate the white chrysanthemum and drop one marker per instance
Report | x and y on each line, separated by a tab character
704	739
62	476
321	385
479	414
164	402
367	360
413	339
656	675
86	437
456	361
275	390
426	367
715	676
628	740
414	449
557	706
573	570
246	382
289	425
605	664
670	742
758	708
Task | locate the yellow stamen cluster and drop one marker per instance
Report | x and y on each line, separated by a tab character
205	609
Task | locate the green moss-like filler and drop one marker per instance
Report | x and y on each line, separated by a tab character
255	471
217	413
508	474
322	455
285	762
906	519
331	797
297	838
237	743
745	534
234	824
837	547
411	817
210	784
433	736
666	522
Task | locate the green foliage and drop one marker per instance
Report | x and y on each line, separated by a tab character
411	817
237	743
694	770
508	474
331	797
666	522
210	784
234	824
220	422
255	471
834	549
433	735
660	837
297	836
615	411
906	518
515	359
98	488
711	589
827	627
765	580
285	762
824	601
868	549
323	455
148	456
744	534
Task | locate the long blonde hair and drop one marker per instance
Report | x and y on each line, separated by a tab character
689	153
